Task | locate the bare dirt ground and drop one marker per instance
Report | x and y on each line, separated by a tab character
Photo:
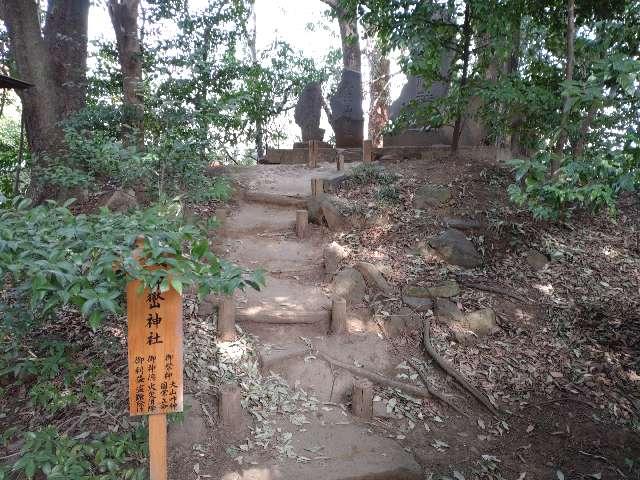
562	368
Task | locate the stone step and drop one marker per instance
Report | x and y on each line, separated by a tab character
278	254
252	218
284	301
295	362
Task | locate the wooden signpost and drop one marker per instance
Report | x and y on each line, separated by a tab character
155	364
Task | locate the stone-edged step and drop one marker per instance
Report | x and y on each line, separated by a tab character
296	363
277	254
293	201
284	301
253	218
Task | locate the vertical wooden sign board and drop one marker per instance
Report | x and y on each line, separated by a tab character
155	364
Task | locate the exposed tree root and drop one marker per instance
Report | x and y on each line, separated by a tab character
433	392
447	367
493	289
375	377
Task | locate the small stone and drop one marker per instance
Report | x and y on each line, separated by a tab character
446	289
122	201
373	277
453	247
461	223
431	196
349	284
448	312
420	304
333	254
537	260
394	325
475	325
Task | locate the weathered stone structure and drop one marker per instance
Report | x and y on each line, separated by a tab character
308	112
347	114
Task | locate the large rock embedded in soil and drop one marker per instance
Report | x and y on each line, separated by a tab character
349	284
373	277
453	247
431	196
466	327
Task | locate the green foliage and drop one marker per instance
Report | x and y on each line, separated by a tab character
63	176
388	194
368	173
592	183
56	456
56	259
9	146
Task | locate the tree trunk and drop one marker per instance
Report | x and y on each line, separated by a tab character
466	38
124	18
252	35
379	67
564	122
55	62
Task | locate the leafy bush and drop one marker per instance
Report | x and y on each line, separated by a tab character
108	457
592	183
55	259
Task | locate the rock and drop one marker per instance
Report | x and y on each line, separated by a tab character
346	107
537	260
417	298
122	200
461	223
393	325
349	284
454	248
336	221
448	312
431	196
476	325
481	322
373	277
333	255
308	112
446	289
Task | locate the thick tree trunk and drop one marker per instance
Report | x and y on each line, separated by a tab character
54	61
466	38
566	109
379	67
124	17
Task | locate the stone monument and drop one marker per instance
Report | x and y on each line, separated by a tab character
347	113
308	111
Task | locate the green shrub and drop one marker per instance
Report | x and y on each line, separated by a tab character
388	194
109	456
56	259
368	173
592	183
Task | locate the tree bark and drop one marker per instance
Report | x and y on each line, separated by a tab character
466	38
124	18
252	35
379	67
564	122
54	60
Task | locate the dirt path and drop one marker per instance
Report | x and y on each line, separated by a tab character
298	419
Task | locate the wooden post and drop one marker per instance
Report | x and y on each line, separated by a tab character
227	319
302	220
317	187
367	151
362	398
158	447
340	162
339	316
314	153
229	407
